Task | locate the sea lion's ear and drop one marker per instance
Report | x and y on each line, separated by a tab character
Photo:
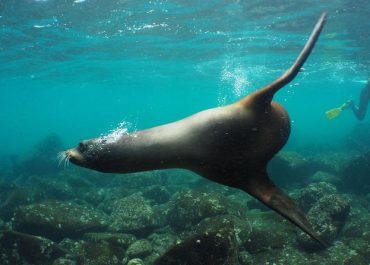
263	96
262	188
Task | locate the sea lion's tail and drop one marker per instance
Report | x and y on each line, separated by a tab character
263	189
264	95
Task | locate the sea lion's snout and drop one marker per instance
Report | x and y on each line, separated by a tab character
74	156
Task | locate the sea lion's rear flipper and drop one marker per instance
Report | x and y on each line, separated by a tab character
263	96
262	188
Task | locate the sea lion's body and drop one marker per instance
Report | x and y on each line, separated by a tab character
231	145
189	143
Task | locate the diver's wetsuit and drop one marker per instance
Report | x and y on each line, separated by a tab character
360	111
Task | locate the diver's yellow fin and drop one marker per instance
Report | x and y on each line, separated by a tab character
333	113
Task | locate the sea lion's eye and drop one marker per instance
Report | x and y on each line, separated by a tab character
82	146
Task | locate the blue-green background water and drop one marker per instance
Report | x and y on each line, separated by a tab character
80	68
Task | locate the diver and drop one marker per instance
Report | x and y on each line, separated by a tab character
359	111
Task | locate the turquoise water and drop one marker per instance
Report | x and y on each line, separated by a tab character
80	68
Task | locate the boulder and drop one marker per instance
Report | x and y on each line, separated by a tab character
139	249
190	207
17	197
133	214
327	216
240	228
216	248
89	253
159	194
290	168
162	240
311	194
19	248
57	220
135	262
116	239
268	231
322	176
356	175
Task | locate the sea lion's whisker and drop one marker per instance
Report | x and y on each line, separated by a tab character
60	157
66	162
63	158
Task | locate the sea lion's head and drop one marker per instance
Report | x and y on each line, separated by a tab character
85	154
94	154
108	153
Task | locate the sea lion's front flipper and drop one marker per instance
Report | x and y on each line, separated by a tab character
261	187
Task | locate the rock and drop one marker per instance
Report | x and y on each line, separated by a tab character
322	176
112	195
20	248
139	180
139	249
360	246
355	259
101	253
290	168
230	226
268	231
151	259
116	239
286	256
358	138
343	254
5	189
245	258
262	239
357	226
56	188
254	204
135	262
17	197
327	216
189	208
159	194
78	181
133	214
57	220
95	196
241	228
309	195
161	241
216	248
356	175
64	261
333	161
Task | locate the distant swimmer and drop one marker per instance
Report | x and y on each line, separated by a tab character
359	111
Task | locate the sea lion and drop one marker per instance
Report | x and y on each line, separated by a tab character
230	145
